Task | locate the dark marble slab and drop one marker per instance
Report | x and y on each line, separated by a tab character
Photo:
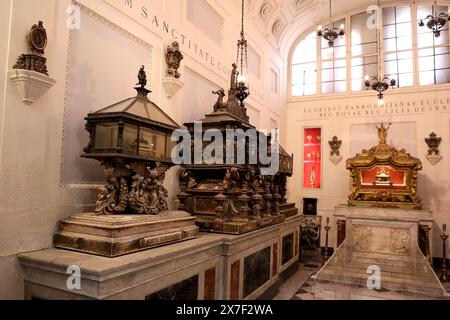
287	249
256	270
210	284
184	290
234	282
275	260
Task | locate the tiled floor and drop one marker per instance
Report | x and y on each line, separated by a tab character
301	287
310	264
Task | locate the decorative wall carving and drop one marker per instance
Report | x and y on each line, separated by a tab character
30	73
37	41
173	60
433	143
335	154
382	239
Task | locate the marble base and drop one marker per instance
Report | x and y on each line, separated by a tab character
116	235
30	84
336	159
434	159
381	239
212	266
238	226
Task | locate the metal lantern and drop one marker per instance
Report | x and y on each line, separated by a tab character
135	129
132	140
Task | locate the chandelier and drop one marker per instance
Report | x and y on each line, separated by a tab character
332	33
242	88
436	21
378	83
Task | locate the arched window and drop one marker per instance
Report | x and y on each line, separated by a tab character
304	67
410	54
334	64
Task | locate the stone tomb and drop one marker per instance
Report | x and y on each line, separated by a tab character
210	267
383	242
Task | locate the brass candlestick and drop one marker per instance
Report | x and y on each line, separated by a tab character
325	253
444	237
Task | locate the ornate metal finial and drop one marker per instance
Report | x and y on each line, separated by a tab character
142	77
383	133
335	145
173	60
433	143
37	42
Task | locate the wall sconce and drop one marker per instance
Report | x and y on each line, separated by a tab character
30	73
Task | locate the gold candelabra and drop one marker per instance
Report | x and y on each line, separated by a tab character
325	253
444	237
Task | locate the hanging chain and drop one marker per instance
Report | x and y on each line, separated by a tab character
242	22
378	26
242	47
331	18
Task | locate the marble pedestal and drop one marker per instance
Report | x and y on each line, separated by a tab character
212	266
381	223
380	250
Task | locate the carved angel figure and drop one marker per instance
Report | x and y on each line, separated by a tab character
231	180
187	179
142	77
112	198
219	103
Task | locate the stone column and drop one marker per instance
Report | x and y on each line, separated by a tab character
426	245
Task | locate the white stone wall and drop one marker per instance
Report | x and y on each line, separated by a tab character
428	111
33	195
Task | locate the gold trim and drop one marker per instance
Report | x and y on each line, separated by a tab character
384	155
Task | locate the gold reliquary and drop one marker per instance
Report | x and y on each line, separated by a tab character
384	176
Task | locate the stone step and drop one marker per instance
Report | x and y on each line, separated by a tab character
379	259
353	272
385	256
390	283
395	287
384	268
329	291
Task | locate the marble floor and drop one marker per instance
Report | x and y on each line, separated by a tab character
301	287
